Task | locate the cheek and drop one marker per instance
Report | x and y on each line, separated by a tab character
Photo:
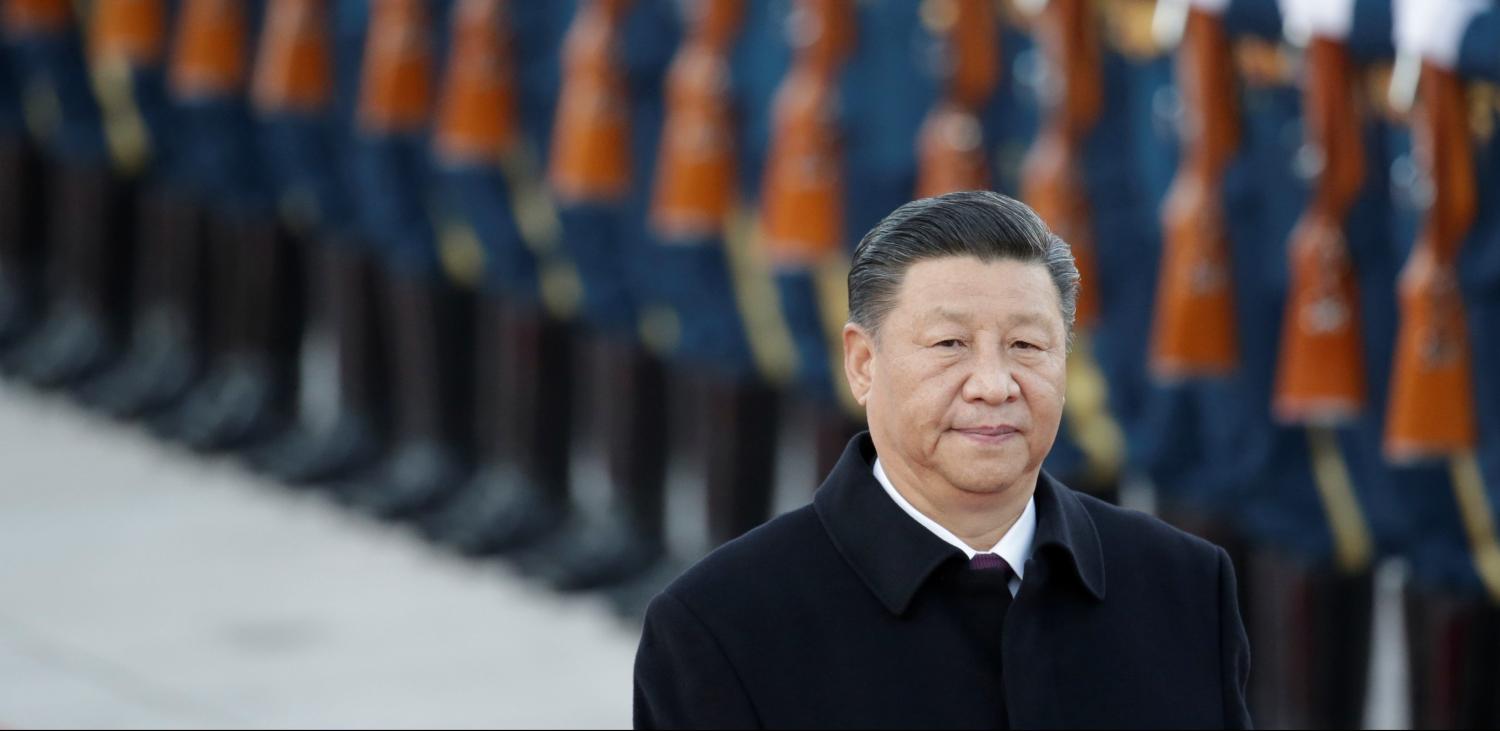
1045	389
927	390
917	400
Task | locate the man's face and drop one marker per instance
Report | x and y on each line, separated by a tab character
965	382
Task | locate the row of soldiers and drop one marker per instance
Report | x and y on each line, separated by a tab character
526	230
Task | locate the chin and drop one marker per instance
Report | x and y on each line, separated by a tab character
986	470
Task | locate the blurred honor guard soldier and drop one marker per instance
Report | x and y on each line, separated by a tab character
727	412
312	150
524	380
1312	599
20	233
1193	328
306	89
802	202
1443	402
696	191
423	319
128	44
127	49
247	387
80	333
1131	163
603	146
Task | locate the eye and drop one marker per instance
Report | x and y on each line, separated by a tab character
1025	345
949	343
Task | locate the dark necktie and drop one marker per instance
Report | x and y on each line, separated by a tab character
990	562
985	596
984	600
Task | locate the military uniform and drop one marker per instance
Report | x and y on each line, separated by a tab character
1455	564
80	333
485	151
307	135
602	152
302	113
424	319
731	419
130	42
245	395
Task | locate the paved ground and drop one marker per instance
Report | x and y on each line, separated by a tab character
141	587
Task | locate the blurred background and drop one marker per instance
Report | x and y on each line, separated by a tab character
374	362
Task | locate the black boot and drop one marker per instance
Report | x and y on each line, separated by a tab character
735	423
245	398
17	305
427	465
1451	643
626	540
1489	671
163	360
90	241
1311	639
740	449
344	288
525	385
818	431
20	236
1343	609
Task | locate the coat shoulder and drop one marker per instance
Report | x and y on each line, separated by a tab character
755	563
1135	536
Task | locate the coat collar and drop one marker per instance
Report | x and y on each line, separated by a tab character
894	555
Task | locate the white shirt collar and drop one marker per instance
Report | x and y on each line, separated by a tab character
1014	546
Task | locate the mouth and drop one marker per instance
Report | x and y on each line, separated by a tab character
989	434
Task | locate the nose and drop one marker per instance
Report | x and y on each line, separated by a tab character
992	381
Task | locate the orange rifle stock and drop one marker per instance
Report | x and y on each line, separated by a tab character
695	180
476	119
36	17
1431	411
395	92
591	159
132	31
208	52
1194	332
293	66
950	146
801	214
1051	176
1320	375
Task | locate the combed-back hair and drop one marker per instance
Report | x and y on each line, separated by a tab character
981	224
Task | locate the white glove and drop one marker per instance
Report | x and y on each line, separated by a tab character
1434	29
1215	7
1303	19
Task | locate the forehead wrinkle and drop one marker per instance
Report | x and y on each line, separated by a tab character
1027	318
945	313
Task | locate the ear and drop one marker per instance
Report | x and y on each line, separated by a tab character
859	357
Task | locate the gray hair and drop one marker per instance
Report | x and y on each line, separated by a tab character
981	224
